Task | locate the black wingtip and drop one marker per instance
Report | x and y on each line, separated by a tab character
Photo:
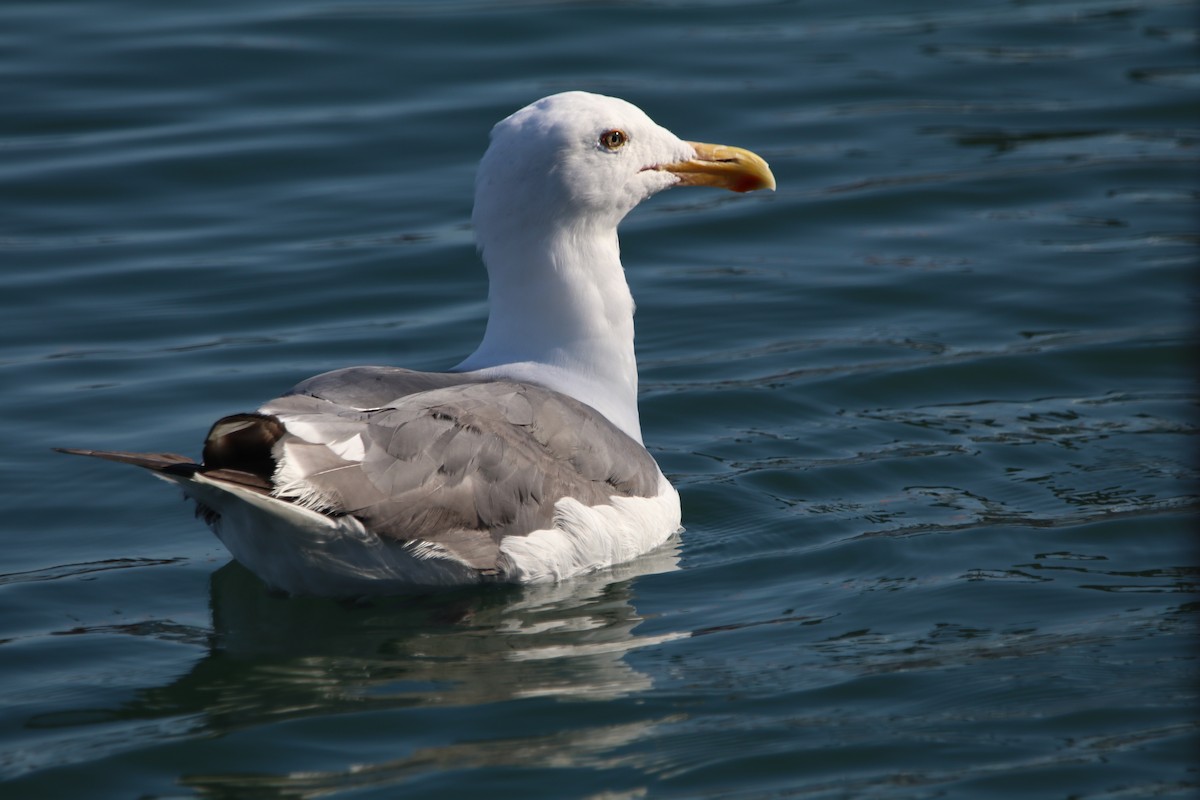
245	443
168	463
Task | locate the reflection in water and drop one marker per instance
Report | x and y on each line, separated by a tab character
271	658
275	656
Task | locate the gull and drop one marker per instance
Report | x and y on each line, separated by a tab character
522	464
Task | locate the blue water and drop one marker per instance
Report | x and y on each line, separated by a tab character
930	406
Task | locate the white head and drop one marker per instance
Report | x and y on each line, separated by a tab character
579	159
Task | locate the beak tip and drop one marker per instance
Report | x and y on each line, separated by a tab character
768	183
756	180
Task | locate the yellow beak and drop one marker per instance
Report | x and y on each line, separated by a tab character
723	166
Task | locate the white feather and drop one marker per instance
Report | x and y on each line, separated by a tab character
587	538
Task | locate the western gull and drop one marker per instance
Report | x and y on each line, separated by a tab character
525	462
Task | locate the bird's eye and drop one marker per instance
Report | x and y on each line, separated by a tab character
614	139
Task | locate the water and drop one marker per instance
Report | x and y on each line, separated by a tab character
929	407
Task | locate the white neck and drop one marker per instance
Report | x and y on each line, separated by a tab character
560	314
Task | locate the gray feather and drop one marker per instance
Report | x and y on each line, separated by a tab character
452	460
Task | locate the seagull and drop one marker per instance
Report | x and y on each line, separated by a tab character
522	464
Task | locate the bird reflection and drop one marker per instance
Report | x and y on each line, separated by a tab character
272	657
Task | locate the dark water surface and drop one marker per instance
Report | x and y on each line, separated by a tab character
929	406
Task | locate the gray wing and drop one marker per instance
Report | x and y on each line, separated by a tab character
375	387
458	464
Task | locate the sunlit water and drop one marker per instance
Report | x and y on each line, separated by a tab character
929	406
